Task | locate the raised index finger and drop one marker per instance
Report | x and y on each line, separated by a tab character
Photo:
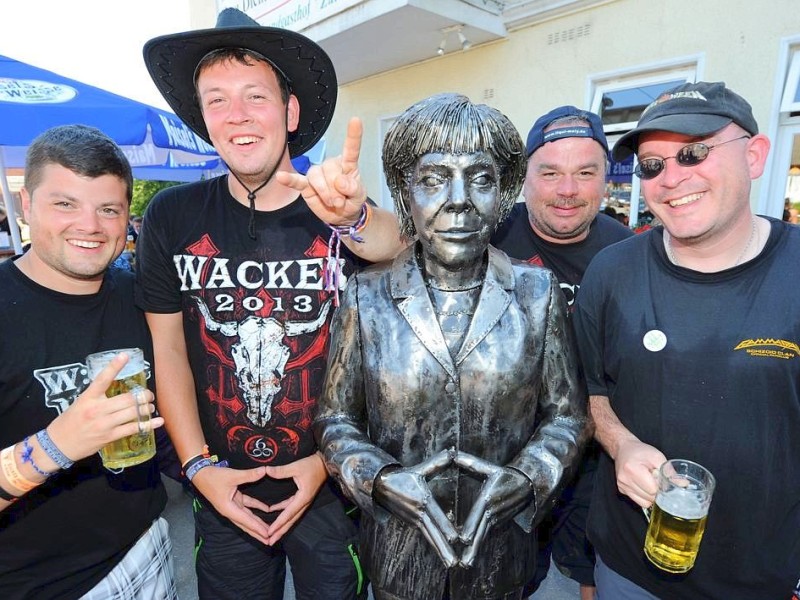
106	377
352	145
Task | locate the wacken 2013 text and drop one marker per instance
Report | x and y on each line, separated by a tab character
303	274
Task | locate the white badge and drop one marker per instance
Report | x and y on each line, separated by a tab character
655	340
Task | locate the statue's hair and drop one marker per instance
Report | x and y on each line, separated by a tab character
450	123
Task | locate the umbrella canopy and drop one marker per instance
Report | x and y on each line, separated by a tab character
33	100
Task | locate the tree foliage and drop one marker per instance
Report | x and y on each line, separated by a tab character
143	192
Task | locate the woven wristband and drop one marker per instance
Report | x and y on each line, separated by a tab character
11	472
191	470
49	447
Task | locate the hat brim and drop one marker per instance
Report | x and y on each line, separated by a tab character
171	61
687	124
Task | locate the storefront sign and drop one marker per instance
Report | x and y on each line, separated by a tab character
289	14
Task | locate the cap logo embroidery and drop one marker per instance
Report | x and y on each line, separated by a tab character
561	132
693	95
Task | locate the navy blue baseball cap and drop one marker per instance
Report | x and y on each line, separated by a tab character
537	137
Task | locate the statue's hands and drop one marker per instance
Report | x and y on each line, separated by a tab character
404	492
505	492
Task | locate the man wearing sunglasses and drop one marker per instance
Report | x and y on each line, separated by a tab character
690	338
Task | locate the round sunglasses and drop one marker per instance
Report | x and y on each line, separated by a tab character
688	156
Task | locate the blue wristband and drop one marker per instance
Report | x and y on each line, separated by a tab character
192	469
52	450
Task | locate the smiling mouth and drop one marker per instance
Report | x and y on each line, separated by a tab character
84	244
685	200
244	140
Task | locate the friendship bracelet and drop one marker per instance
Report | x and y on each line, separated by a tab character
333	268
55	454
353	231
11	471
27	457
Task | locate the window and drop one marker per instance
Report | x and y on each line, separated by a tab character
620	99
791	91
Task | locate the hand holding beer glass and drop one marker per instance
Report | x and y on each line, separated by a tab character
678	517
141	445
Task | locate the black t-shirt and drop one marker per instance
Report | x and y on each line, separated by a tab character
721	387
63	537
256	318
516	237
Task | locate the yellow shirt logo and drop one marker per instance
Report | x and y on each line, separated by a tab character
769	347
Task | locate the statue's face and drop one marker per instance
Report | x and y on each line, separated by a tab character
455	203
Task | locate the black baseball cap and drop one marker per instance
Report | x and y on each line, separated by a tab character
538	138
695	109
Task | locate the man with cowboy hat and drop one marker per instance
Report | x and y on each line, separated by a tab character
238	279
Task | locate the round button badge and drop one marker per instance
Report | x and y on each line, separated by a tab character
655	340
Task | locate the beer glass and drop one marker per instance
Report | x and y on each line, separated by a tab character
139	447
678	517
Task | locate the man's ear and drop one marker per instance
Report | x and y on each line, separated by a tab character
26	203
292	114
757	152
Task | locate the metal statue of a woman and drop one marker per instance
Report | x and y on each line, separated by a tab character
453	406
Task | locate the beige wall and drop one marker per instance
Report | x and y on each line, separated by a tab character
737	41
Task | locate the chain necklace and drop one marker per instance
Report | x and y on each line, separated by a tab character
753	229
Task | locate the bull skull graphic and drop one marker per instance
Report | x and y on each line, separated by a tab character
260	355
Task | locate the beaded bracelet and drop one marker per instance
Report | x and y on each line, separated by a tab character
55	454
27	456
11	471
333	269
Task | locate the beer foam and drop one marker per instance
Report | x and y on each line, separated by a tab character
97	362
131	368
683	503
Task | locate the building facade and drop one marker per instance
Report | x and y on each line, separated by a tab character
527	56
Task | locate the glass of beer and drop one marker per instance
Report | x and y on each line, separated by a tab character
678	517
139	447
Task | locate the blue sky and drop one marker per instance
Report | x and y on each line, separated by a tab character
94	41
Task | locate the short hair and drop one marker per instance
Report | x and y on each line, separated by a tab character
243	56
84	150
567	120
451	123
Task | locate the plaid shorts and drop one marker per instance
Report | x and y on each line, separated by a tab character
145	573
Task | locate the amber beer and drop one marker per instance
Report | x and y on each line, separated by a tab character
678	517
139	447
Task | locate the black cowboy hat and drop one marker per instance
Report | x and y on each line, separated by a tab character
172	60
